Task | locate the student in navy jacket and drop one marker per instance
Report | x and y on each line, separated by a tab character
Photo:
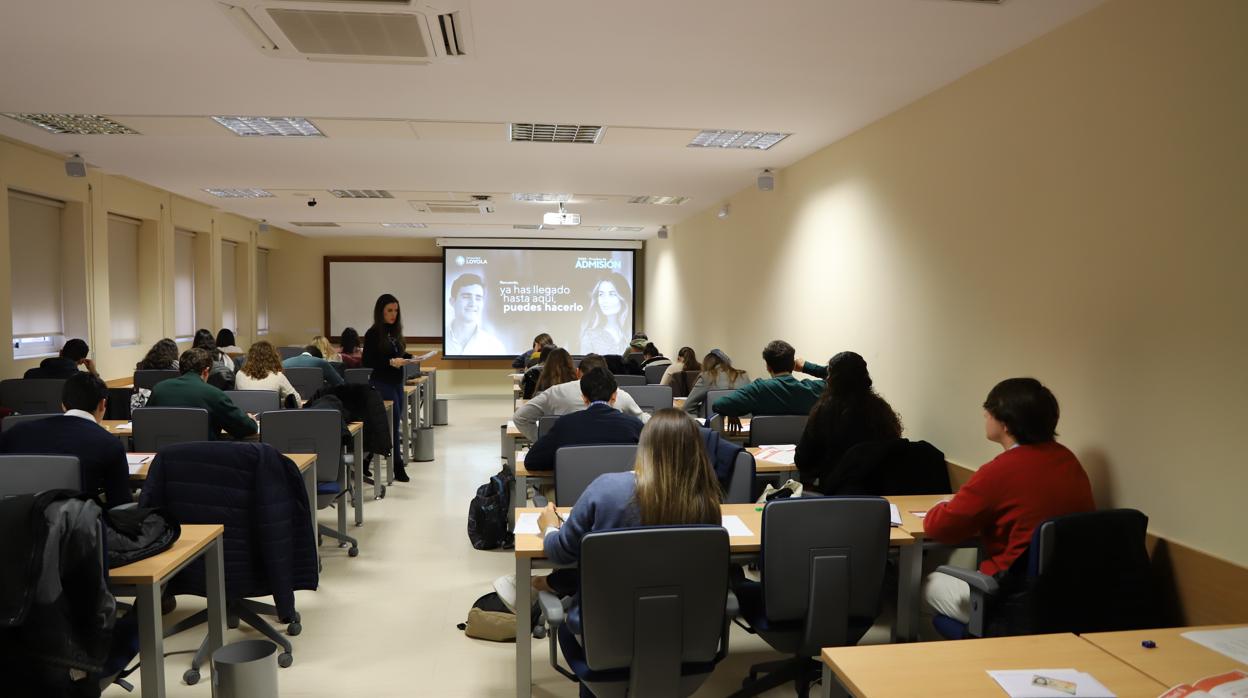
78	433
598	423
73	355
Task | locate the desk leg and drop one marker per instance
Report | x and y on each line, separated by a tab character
831	687
405	431
214	564
309	484
524	633
520	497
151	640
357	497
909	581
394	450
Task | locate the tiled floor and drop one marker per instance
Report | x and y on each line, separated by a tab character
382	625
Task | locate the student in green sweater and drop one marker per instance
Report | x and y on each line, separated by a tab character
191	390
779	394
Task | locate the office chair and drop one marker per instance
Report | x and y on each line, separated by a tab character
654	374
822	565
289	353
23	474
623	379
655	630
650	398
357	376
307	381
774	429
15	419
256	401
683	382
577	466
1082	573
148	378
545	424
157	427
741	483
32	395
320	432
634	357
708	403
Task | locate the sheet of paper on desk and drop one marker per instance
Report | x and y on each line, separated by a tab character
511	426
894	516
128	426
1021	684
1232	642
736	527
777	454
137	458
527	523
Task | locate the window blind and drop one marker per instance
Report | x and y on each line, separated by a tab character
184	284
35	251
229	288
262	290
123	279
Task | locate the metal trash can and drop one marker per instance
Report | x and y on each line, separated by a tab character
424	444
440	412
245	669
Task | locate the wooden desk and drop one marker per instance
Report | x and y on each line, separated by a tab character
1174	660
910	569
959	668
357	470
144	578
768	467
909	504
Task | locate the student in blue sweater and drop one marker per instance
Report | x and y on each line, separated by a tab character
672	483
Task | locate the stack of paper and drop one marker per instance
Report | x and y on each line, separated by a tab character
128	426
736	527
1050	683
777	454
1232	642
527	523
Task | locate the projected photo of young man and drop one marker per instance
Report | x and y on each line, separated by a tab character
465	333
607	325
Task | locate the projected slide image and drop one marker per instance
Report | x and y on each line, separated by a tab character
497	300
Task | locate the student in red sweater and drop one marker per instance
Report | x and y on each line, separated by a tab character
1033	480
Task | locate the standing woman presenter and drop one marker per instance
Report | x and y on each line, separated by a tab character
384	352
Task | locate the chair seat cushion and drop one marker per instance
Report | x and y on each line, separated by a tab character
331	487
574	654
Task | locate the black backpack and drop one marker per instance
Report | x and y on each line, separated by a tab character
487	513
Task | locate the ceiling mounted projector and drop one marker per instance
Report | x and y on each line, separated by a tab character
561	217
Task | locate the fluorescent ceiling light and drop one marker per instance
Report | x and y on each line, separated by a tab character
659	200
240	193
619	229
361	193
555	133
269	125
747	140
75	124
542	198
315	224
404	225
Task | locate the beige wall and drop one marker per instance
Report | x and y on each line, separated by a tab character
1074	211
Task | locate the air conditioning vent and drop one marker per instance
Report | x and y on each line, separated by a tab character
361	193
448	24
315	224
555	133
453	207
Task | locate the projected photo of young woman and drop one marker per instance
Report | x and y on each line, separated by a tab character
607	325
465	334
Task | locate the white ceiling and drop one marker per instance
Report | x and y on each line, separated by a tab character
820	69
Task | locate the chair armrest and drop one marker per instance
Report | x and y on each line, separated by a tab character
552	608
127	505
978	581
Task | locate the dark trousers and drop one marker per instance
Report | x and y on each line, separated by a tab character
394	393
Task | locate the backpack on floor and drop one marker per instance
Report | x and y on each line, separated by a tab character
491	619
487	513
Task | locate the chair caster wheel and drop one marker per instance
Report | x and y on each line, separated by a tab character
191	677
284	660
383	492
296	618
353	552
294	628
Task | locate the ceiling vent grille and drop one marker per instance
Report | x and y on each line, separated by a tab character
448	26
315	224
619	229
241	193
453	207
555	133
361	193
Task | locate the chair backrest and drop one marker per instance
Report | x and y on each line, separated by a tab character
358	376
682	383
15	419
708	405
544	424
651	619
32	395
775	429
577	466
829	552
149	377
634	357
255	401
741	483
654	374
888	467
306	380
289	352
650	397
339	368
623	379
157	427
307	431
31	474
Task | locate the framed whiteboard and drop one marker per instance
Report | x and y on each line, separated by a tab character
353	284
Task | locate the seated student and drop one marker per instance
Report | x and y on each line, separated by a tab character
1035	479
529	380
312	357
263	371
651	356
327	350
191	390
78	433
163	356
565	398
226	342
222	373
686	360
527	358
556	369
73	354
671	484
779	394
717	374
351	354
598	423
848	413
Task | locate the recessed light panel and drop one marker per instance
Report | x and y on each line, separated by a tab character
75	124
404	225
361	193
555	133
269	125
315	224
543	198
745	140
619	229
659	200
240	193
